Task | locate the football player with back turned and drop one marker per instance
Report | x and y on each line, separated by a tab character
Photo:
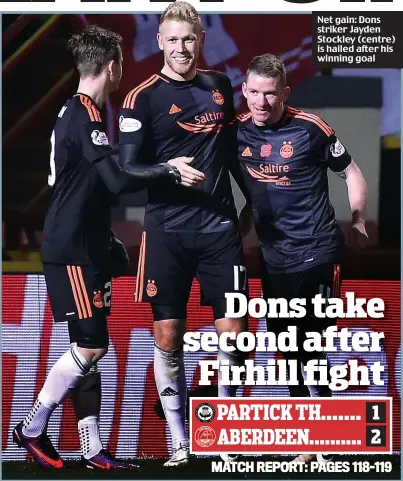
80	253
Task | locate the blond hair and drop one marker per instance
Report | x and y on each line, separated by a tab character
183	12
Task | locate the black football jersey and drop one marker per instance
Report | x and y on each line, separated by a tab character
166	119
78	223
285	166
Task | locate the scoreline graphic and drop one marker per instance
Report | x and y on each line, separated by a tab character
278	425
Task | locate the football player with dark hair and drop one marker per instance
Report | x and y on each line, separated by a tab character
80	252
285	155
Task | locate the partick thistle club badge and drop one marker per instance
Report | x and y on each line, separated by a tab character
205	412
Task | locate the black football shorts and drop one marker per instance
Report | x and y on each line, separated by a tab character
169	261
323	279
82	297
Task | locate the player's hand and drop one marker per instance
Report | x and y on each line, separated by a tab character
245	220
190	177
357	236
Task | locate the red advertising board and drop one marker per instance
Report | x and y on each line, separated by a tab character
132	421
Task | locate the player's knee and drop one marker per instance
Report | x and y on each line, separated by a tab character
169	326
92	355
91	337
223	322
99	354
237	325
168	339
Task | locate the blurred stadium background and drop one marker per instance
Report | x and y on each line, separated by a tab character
364	107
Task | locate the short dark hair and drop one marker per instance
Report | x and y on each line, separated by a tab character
268	65
93	48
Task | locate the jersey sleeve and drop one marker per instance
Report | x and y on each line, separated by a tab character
134	118
331	151
92	140
336	154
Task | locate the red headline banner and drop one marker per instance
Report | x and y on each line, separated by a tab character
273	425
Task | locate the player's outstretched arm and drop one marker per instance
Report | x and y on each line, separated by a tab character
188	176
91	139
119	180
